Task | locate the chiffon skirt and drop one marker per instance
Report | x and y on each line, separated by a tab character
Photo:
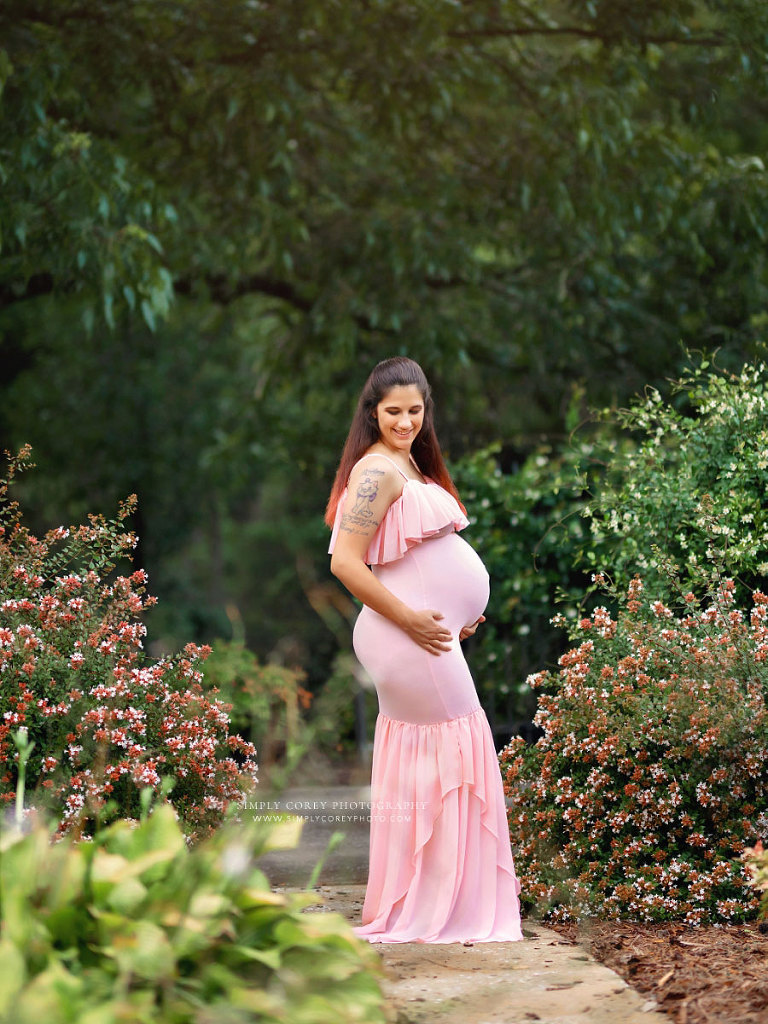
441	867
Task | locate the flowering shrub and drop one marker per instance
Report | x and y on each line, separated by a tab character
652	773
105	720
756	860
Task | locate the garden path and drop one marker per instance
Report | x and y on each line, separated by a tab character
543	978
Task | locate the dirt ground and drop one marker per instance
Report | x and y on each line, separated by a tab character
695	975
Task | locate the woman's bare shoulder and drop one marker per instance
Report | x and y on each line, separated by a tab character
374	483
375	464
373	486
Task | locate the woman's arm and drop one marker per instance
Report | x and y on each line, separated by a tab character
373	486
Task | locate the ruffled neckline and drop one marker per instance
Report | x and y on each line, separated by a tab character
423	509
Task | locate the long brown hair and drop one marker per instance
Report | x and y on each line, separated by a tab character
364	430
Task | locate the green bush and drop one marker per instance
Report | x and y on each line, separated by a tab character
527	528
691	494
334	717
294	730
266	704
664	485
652	772
136	928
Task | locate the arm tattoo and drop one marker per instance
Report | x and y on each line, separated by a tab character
367	490
361	519
351	523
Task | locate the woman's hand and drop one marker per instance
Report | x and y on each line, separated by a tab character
423	627
470	630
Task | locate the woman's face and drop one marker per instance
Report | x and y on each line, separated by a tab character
400	415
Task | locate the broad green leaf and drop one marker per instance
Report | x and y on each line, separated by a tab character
143	950
12	973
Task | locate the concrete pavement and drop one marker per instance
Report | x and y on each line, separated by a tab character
541	979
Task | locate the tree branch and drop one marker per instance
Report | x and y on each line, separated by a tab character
223	291
583	33
37	285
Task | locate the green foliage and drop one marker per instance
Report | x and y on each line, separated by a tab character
519	196
76	210
333	718
528	529
668	487
692	494
135	927
511	193
650	776
180	428
291	727
266	706
105	721
652	772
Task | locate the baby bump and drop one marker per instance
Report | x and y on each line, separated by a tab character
443	573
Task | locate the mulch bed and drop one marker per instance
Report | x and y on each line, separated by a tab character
696	975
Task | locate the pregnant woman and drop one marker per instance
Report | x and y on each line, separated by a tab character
441	867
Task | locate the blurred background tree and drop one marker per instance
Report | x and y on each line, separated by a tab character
216	215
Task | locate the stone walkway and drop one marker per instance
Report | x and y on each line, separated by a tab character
541	979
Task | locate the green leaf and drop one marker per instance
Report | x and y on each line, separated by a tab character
12	974
143	950
126	896
271	957
149	315
109	315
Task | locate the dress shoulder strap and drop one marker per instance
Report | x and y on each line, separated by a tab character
378	455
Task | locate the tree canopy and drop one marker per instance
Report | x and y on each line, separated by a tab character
217	214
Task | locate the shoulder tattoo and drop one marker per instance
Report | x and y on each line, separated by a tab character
367	489
360	519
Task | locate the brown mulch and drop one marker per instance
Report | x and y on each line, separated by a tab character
696	975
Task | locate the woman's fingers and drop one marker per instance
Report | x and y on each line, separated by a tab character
442	637
427	632
442	632
468	631
437	646
437	639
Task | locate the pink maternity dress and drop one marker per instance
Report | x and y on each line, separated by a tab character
441	867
